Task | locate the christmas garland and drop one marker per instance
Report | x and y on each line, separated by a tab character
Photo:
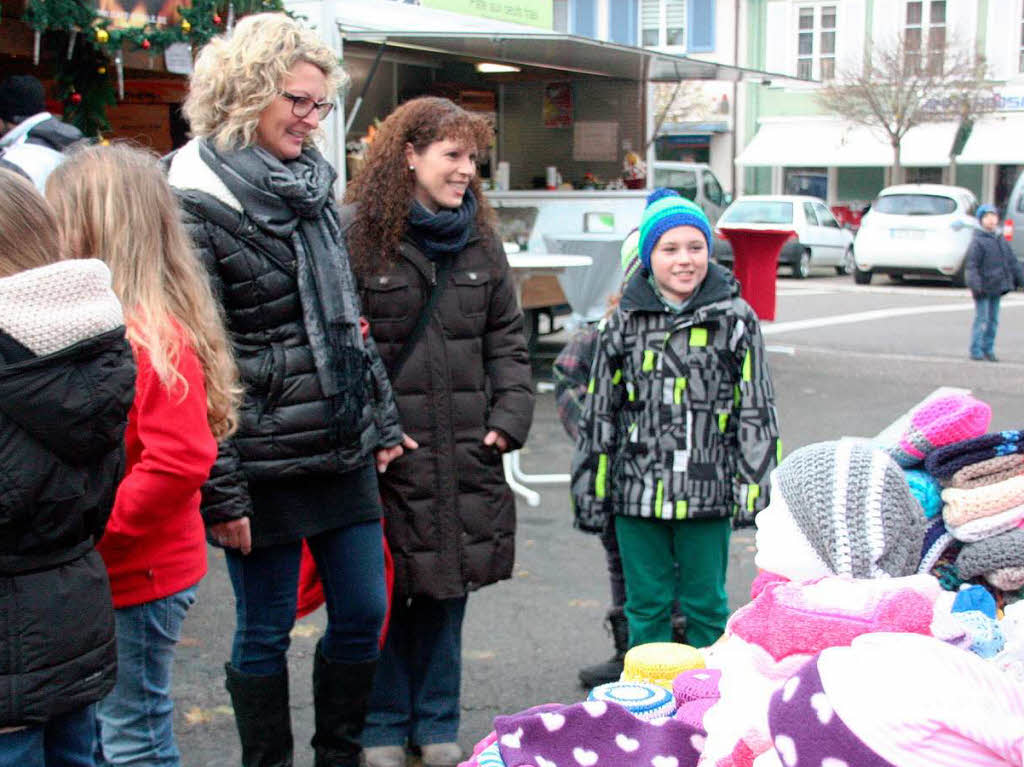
90	45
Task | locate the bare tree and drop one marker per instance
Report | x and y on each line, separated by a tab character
902	85
678	102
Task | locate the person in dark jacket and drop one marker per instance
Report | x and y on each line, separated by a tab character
31	139
441	303
992	271
66	385
318	411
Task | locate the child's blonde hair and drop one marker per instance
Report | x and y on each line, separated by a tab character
113	203
28	228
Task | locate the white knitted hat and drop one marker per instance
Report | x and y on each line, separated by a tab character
853	503
55	306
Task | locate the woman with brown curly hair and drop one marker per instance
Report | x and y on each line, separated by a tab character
437	291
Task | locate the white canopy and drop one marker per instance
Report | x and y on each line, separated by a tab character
995	140
814	142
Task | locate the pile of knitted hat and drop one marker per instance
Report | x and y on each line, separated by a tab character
983	505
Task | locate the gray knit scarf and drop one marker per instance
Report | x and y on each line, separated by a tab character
294	200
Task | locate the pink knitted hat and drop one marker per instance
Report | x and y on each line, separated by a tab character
939	422
910	700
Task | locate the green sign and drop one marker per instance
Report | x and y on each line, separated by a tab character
536	13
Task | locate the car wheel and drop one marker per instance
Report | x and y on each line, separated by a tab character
802	268
960	278
861	276
847	265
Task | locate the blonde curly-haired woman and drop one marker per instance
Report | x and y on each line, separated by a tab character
318	411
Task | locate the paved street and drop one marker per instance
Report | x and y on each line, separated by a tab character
846	360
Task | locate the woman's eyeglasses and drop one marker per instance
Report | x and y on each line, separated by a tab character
303	105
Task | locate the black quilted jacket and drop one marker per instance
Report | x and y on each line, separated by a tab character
282	431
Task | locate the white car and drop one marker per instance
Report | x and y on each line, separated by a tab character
819	240
916	229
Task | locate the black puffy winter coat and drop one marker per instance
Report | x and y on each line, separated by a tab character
450	514
992	268
62	422
284	416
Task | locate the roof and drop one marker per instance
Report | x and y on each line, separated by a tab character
478	39
813	142
942	189
995	140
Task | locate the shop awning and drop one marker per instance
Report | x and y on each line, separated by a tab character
827	142
995	140
558	52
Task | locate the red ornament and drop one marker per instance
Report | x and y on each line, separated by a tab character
216	18
146	45
76	98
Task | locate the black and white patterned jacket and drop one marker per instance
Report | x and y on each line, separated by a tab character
679	420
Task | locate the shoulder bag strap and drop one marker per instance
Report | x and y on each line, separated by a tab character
440	283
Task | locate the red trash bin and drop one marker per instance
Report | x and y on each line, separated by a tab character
755	255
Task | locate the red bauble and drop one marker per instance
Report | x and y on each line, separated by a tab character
216	18
76	98
146	45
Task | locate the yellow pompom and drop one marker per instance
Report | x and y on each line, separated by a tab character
102	35
101	70
185	26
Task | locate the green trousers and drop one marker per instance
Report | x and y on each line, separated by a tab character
651	549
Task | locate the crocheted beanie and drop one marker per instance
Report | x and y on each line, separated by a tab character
659	662
984	210
641	699
666	210
993	553
939	422
946	461
629	255
899	699
696	684
988	472
853	503
962	506
926	490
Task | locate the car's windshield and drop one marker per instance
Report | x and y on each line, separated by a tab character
915	205
759	212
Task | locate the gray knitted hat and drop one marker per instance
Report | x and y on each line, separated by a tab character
993	553
853	503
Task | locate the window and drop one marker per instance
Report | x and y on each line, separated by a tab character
924	34
825	217
915	205
1020	54
809	214
759	212
560	15
712	189
622	22
816	42
662	22
584	18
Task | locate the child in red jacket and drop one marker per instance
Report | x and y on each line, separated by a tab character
114	204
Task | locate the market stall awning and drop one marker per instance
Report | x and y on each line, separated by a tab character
556	51
995	140
828	142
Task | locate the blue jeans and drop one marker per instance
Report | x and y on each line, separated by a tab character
986	323
136	719
68	740
350	561
416	691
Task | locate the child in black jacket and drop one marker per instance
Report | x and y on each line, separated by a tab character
66	385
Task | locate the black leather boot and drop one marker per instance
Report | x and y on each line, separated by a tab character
341	692
262	716
611	669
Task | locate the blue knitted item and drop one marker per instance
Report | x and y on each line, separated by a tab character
975	598
927	490
642	700
666	210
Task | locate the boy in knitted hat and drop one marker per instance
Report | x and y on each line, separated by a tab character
679	430
991	270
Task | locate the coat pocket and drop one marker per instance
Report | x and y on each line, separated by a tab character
387	298
471	288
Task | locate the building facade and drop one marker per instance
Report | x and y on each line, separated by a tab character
789	143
